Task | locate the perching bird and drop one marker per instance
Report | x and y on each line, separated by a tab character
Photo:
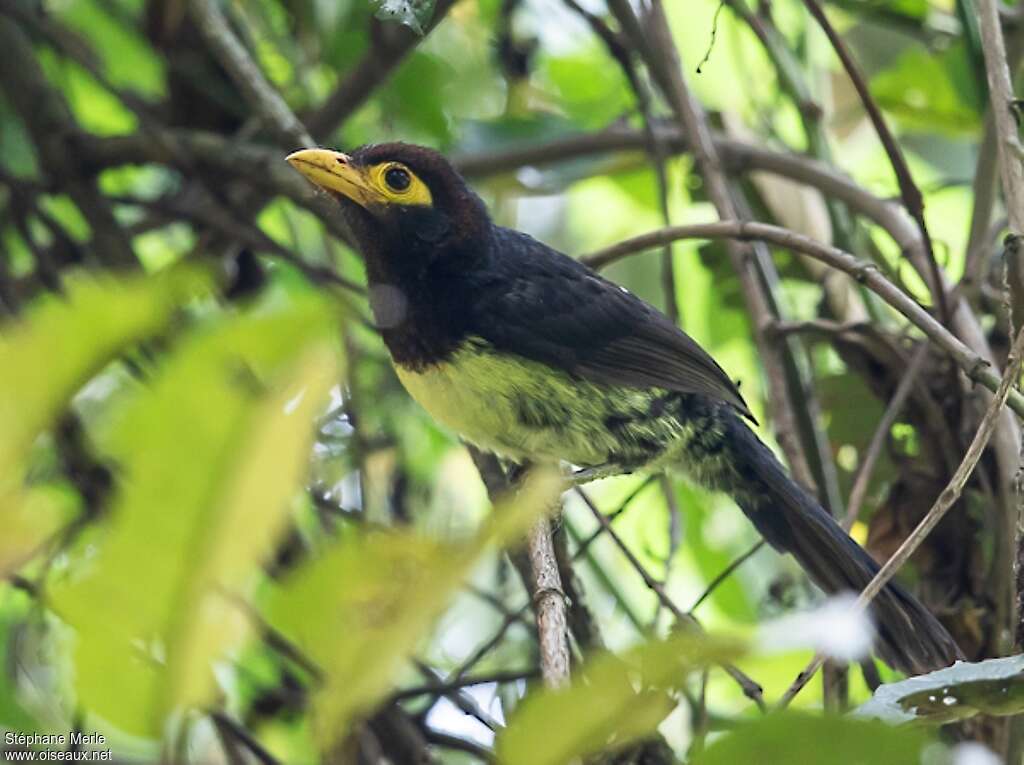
528	353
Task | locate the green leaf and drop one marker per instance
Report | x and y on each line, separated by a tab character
932	93
415	95
208	458
126	57
30	518
991	687
92	322
553	727
787	738
14	611
95	318
361	609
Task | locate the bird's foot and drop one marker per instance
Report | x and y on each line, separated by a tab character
586	475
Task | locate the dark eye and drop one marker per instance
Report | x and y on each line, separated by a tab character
397	178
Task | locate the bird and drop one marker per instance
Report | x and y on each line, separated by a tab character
527	353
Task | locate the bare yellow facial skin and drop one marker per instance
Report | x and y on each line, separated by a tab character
385	183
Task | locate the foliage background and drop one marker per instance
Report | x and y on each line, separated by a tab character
199	577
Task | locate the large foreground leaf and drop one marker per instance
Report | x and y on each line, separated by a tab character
63	341
992	687
207	458
604	708
54	349
362	609
788	738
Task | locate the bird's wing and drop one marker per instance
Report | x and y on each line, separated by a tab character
548	307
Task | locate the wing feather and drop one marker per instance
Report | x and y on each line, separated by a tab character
545	306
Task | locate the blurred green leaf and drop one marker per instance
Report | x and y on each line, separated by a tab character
992	687
94	107
95	318
361	609
788	738
208	458
415	97
590	88
31	516
13	715
932	93
126	57
604	707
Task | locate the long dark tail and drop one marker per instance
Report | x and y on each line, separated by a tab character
910	639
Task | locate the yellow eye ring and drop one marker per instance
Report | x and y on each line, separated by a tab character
396	183
397	178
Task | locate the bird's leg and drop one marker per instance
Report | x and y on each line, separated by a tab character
586	475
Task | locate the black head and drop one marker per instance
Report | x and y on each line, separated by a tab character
406	205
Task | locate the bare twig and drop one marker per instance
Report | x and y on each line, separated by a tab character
233	729
1001	94
442	687
583	623
393	43
540	576
1011	173
726	573
946	499
584	544
654	39
909	192
246	75
750	688
656	149
881	435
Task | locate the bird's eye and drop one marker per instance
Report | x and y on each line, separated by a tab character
397	178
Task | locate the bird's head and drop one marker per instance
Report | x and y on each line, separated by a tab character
406	205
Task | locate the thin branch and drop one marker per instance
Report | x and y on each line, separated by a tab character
584	544
389	49
657	47
246	74
237	731
459	744
209	213
750	688
1000	88
911	195
973	365
656	149
443	687
539	573
946	499
726	573
583	623
881	435
459	697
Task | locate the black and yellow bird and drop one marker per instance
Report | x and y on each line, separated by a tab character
528	353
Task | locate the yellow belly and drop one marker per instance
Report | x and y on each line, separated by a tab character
514	407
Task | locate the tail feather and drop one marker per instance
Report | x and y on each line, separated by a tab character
910	638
